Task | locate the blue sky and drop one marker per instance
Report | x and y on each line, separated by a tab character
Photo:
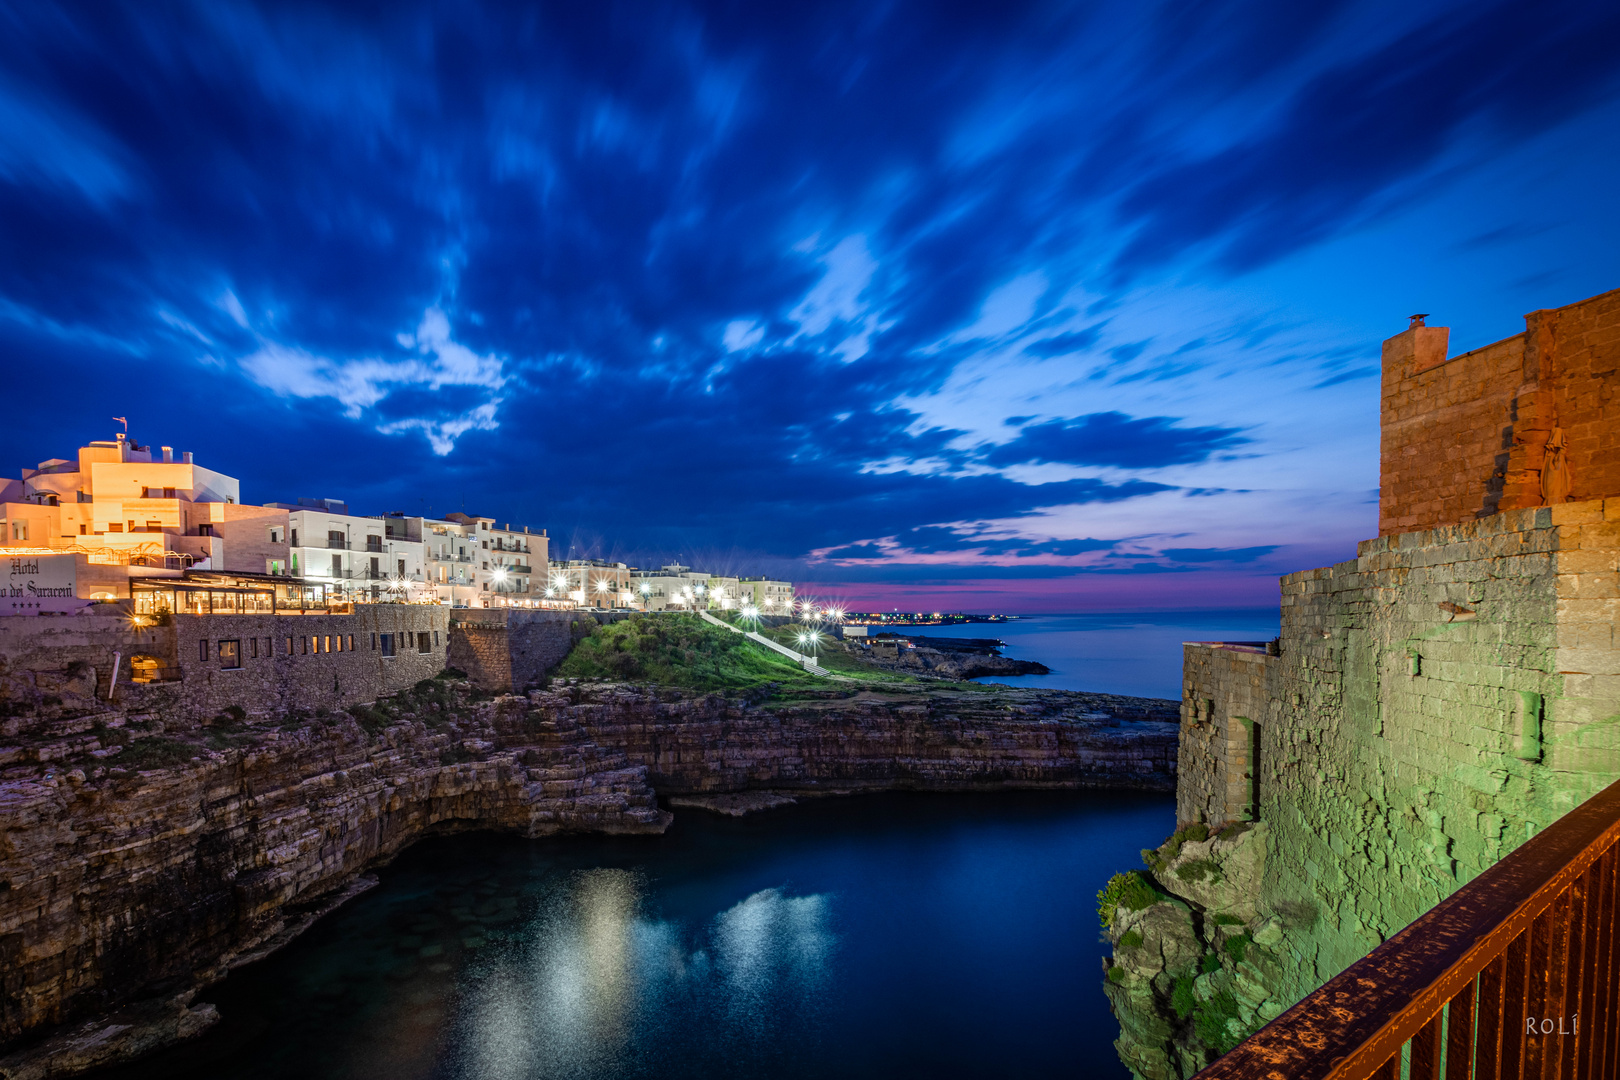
1025	307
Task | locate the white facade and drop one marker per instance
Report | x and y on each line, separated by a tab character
356	557
770	596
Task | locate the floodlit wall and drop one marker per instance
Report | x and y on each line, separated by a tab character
1437	701
1466	437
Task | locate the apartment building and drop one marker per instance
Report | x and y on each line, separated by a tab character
770	596
593	583
359	558
508	565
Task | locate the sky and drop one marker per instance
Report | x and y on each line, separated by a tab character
998	307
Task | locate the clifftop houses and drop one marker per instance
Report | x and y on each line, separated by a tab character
125	521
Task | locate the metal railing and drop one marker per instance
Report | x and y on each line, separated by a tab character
1515	975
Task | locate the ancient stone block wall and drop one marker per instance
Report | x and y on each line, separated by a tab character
1224	707
285	661
511	648
1437	701
1467	437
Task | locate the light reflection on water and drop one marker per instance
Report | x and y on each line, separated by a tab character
872	937
598	977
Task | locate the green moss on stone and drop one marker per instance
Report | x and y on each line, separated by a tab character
1129	890
1130	939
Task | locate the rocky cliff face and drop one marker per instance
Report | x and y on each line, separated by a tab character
1197	965
138	863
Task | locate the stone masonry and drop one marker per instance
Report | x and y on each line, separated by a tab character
1466	437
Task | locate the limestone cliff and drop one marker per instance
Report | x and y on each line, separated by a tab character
1196	964
141	858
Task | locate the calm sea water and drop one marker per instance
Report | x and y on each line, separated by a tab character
1136	653
877	936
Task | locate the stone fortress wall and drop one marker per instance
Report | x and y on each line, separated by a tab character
1437	701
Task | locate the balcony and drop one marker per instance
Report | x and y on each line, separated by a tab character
1531	941
518	568
374	545
338	545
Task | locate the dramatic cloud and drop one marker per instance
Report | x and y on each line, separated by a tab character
908	292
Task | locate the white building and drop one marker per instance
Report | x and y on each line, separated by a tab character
358	557
770	596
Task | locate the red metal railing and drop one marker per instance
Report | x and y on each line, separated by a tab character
1515	976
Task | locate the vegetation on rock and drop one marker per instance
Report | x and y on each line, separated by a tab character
677	650
1130	890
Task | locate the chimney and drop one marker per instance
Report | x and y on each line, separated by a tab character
185	458
168	455
1416	349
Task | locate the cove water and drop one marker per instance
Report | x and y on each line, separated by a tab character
869	936
1137	653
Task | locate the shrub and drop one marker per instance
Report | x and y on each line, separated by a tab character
1116	974
1228	920
1156	858
1210	963
1182	1001
1129	890
1130	939
1236	947
1199	869
1212	1022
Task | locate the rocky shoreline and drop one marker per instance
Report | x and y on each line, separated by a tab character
140	861
940	657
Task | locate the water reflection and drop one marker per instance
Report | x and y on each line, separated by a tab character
595	984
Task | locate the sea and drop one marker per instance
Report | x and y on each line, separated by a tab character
1134	653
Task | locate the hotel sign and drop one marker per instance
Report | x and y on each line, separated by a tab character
36	583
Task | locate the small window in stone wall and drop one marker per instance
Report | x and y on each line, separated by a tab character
422	643
387	644
253	647
230	654
303	644
373	642
328	642
351	643
435	639
202	650
289	646
340	643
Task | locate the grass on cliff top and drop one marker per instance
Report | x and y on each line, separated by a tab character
679	650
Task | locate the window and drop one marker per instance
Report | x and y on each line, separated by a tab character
317	641
373	642
253	647
328	642
435	639
401	563
275	536
351	643
340	643
267	643
168	493
115	526
19	530
387	644
205	529
303	644
230	654
337	566
295	538
422	644
84	530
154	526
202	650
376	569
289	647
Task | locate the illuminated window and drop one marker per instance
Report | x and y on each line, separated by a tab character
387	644
230	654
289	646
